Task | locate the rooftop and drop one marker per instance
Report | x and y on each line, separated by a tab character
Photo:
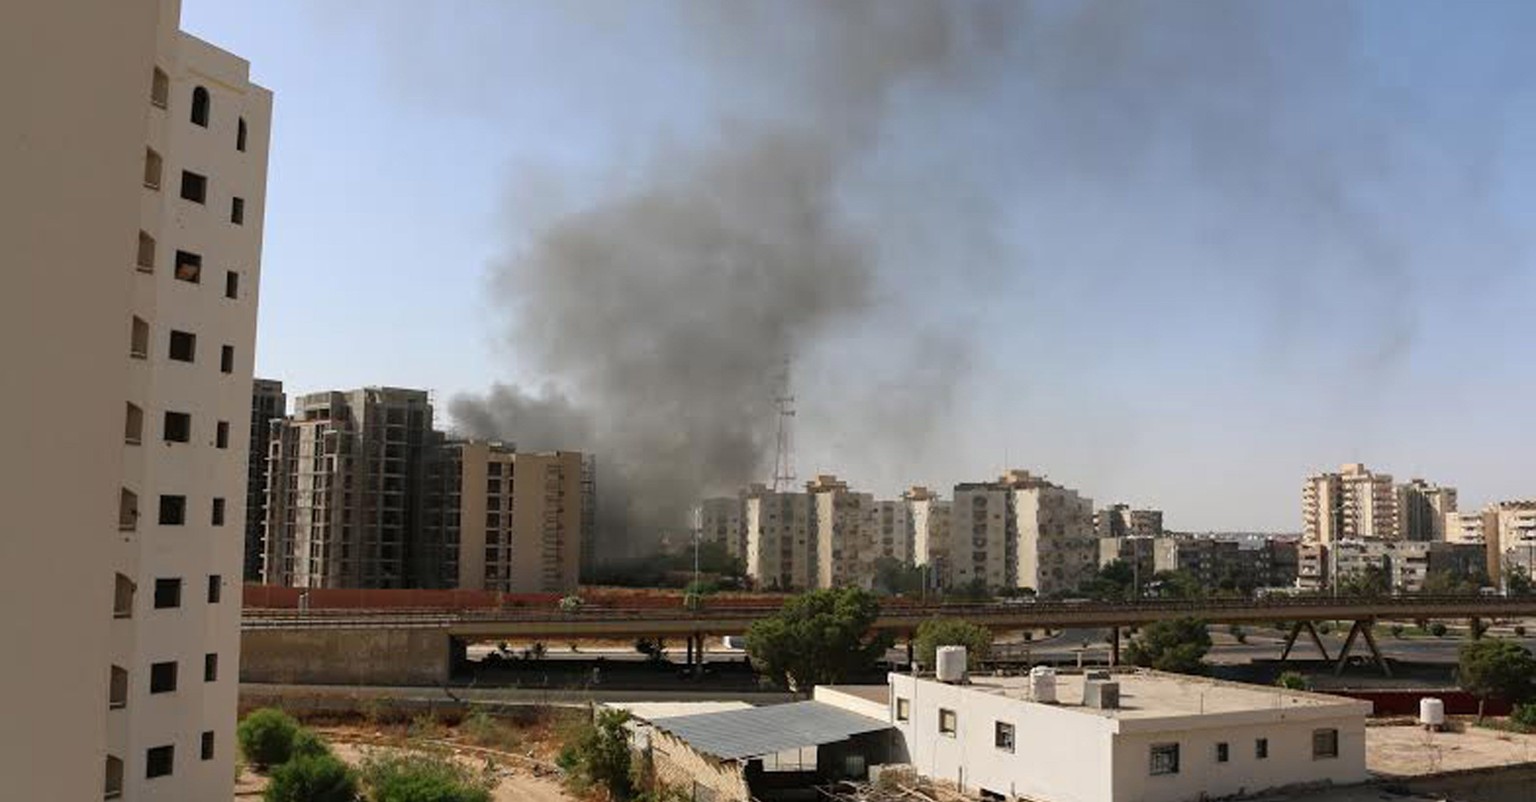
1156	695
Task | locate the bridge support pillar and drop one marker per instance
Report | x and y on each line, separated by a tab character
1475	628
1290	640
1114	646
911	651
1361	628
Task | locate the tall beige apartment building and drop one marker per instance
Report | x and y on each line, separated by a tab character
132	207
498	519
841	531
1022	531
722	519
1357	504
780	544
1120	520
929	519
345	483
891	530
268	403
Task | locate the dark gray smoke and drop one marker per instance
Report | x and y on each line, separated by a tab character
668	309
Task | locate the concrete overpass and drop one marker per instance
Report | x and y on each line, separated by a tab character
412	646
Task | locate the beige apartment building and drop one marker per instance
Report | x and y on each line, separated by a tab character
344	490
1422	509
722	519
131	322
1509	528
1120	520
503	520
929	519
268	403
1021	531
1356	503
841	532
780	542
891	531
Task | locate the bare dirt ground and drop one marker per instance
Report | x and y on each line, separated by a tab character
1409	751
522	776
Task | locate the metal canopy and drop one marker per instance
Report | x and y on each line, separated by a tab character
758	731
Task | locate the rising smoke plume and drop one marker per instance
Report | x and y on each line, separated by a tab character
661	313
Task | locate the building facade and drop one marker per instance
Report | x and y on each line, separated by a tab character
268	403
930	518
1119	520
1185	738
345	490
780	545
841	532
1021	531
130	146
1357	504
1406	565
723	520
1421	510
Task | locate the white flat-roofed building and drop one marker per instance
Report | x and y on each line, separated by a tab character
1168	738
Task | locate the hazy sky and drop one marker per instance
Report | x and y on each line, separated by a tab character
1174	254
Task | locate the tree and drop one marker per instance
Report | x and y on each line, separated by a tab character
977	640
312	778
266	737
1177	645
654	649
1292	681
598	754
818	638
417	777
1175	585
1496	669
1372	580
1517	581
1449	583
1113	582
892	577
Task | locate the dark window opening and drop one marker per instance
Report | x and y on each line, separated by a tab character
1261	748
221	435
200	105
231	284
178	427
173	510
237	211
159	88
194	187
189	267
240	135
159	761
1165	759
167	593
227	359
210	668
1325	743
146	256
162	677
215	588
183	346
207	745
1223	754
218	512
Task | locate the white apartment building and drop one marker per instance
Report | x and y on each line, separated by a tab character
723	520
929	519
132	208
1021	531
1124	737
1510	530
841	531
780	542
891	529
1464	527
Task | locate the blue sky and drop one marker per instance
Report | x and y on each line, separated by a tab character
1179	260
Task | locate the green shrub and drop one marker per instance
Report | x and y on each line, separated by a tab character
1524	717
1324	628
307	744
312	778
1293	681
481	729
422	778
266	737
1397	630
1437	629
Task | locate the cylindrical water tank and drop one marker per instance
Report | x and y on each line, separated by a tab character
1042	684
1432	712
950	664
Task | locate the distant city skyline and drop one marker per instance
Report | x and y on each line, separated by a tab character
1114	248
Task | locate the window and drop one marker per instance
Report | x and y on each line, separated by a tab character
146	257
218	512
903	709
240	135
194	186
159	88
1002	738
1325	744
494	469
138	339
210	668
178	427
1261	748
162	677
173	510
122	597
227	359
189	267
159	761
1223	753
167	593
946	721
133	425
200	107
215	588
114	789
152	166
117	689
221	434
127	510
207	745
237	211
183	346
1165	759
231	284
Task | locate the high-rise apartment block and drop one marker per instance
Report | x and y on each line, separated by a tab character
498	519
1358	504
780	550
1021	531
841	526
723	520
268	403
345	488
134	193
929	520
1120	520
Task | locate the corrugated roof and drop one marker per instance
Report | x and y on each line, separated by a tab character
758	731
655	711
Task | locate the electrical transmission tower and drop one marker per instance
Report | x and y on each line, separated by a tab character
783	456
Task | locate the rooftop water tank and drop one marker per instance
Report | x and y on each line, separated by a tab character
1042	684
1101	694
1432	712
949	664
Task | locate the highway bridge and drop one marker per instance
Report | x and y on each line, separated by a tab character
289	640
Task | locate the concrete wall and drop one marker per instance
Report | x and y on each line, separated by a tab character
707	780
346	656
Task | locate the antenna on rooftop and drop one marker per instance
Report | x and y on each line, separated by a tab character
783	454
